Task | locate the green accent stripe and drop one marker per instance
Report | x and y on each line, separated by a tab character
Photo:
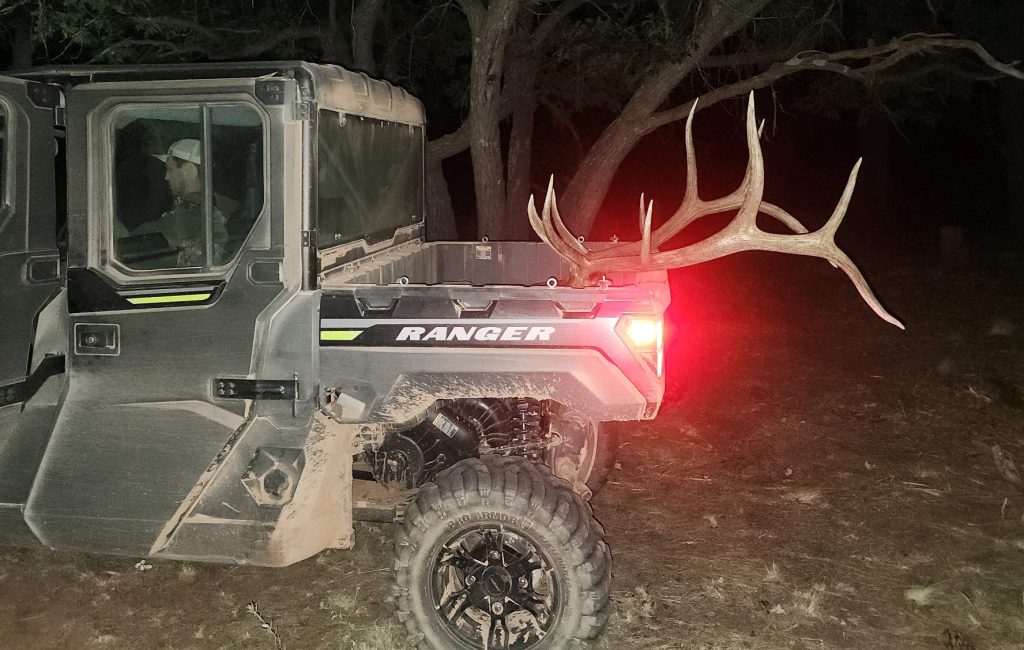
162	300
339	335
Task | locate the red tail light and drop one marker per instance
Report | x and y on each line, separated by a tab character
644	335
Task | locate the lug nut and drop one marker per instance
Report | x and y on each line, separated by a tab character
523	582
497	609
494	555
470	580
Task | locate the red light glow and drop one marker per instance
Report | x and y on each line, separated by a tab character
644	333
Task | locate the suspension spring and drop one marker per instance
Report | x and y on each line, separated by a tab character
528	428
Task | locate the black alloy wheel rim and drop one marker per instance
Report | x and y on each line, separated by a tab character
494	588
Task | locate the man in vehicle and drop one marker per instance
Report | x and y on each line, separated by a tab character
183	225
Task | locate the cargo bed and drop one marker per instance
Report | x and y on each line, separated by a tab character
465	263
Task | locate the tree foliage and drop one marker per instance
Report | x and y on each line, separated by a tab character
488	70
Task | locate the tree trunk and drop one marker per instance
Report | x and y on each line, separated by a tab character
333	40
590	184
522	89
440	213
490	29
440	217
364	25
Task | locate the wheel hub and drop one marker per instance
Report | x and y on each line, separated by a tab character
497	581
492	583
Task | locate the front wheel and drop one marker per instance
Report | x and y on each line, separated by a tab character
499	553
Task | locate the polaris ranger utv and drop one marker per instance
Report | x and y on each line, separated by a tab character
226	339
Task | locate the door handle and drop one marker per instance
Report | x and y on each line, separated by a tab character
97	339
42	269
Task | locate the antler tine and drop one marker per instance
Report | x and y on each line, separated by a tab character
783	217
645	230
693	207
842	261
536	223
753	180
643	205
832	225
689	208
839	259
540	223
553	217
828	231
543	225
826	247
823	245
692	190
545	218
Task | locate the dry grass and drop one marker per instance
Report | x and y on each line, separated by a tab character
808	602
810	496
379	636
833	490
343	604
187	573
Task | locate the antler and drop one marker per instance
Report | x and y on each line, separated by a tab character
741	234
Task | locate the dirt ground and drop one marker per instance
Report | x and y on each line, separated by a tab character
816	479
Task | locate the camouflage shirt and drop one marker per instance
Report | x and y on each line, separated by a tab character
183	228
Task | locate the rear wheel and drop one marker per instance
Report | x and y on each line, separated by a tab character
499	553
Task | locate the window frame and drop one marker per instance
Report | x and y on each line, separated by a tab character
388	232
106	259
6	163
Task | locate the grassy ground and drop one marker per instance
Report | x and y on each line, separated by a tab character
816	479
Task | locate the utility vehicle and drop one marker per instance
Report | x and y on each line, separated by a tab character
235	366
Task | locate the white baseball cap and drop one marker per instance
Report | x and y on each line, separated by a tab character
188	150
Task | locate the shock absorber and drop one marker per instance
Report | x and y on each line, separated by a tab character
528	428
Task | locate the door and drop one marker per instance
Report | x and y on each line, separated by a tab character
175	269
31	307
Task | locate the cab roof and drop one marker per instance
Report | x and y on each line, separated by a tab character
331	86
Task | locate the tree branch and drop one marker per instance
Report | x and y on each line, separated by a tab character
721	20
880	57
901	48
272	41
551	21
448	145
166	47
177	23
745	59
474	11
8	9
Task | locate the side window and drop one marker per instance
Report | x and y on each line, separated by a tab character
369	177
172	210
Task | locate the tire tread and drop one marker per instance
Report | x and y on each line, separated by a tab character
531	491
